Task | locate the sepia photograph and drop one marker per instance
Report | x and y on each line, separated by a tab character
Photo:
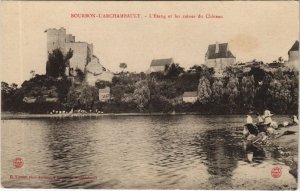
150	95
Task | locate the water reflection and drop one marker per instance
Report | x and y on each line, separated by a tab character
172	156
221	153
71	149
166	152
253	153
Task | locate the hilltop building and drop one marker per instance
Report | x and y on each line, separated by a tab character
293	53
219	57
82	51
159	65
82	58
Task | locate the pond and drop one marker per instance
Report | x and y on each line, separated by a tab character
138	152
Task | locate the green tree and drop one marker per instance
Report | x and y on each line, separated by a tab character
217	91
141	94
172	71
232	93
232	71
280	95
7	95
203	70
57	62
204	91
88	96
294	88
32	73
79	74
100	84
248	91
7	89
83	96
123	66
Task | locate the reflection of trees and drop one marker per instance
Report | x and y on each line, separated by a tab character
222	151
251	150
70	147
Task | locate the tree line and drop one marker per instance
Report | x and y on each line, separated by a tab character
239	90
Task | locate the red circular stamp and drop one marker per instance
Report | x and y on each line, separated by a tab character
276	172
18	162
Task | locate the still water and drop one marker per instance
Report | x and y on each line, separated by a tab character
167	152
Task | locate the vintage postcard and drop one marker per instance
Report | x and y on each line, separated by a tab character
150	95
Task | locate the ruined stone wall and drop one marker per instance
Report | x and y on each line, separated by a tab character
80	54
70	38
95	71
56	39
90	52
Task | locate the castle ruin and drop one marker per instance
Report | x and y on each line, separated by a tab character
82	55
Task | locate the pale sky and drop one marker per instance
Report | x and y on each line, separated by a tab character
254	30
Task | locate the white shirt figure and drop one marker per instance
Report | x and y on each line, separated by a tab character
295	119
268	120
267	117
260	119
249	119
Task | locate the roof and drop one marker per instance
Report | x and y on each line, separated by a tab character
224	52
295	46
190	94
105	90
162	62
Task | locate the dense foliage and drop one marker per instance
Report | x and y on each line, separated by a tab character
239	91
39	87
57	63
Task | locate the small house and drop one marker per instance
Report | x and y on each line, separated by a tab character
159	65
190	97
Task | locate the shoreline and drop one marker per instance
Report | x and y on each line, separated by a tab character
11	115
8	116
286	147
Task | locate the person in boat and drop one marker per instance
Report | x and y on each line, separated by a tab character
259	119
267	117
295	120
250	130
269	124
262	134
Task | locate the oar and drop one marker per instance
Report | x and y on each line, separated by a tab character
256	140
286	133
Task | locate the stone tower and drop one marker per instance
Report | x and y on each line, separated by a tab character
59	39
56	38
